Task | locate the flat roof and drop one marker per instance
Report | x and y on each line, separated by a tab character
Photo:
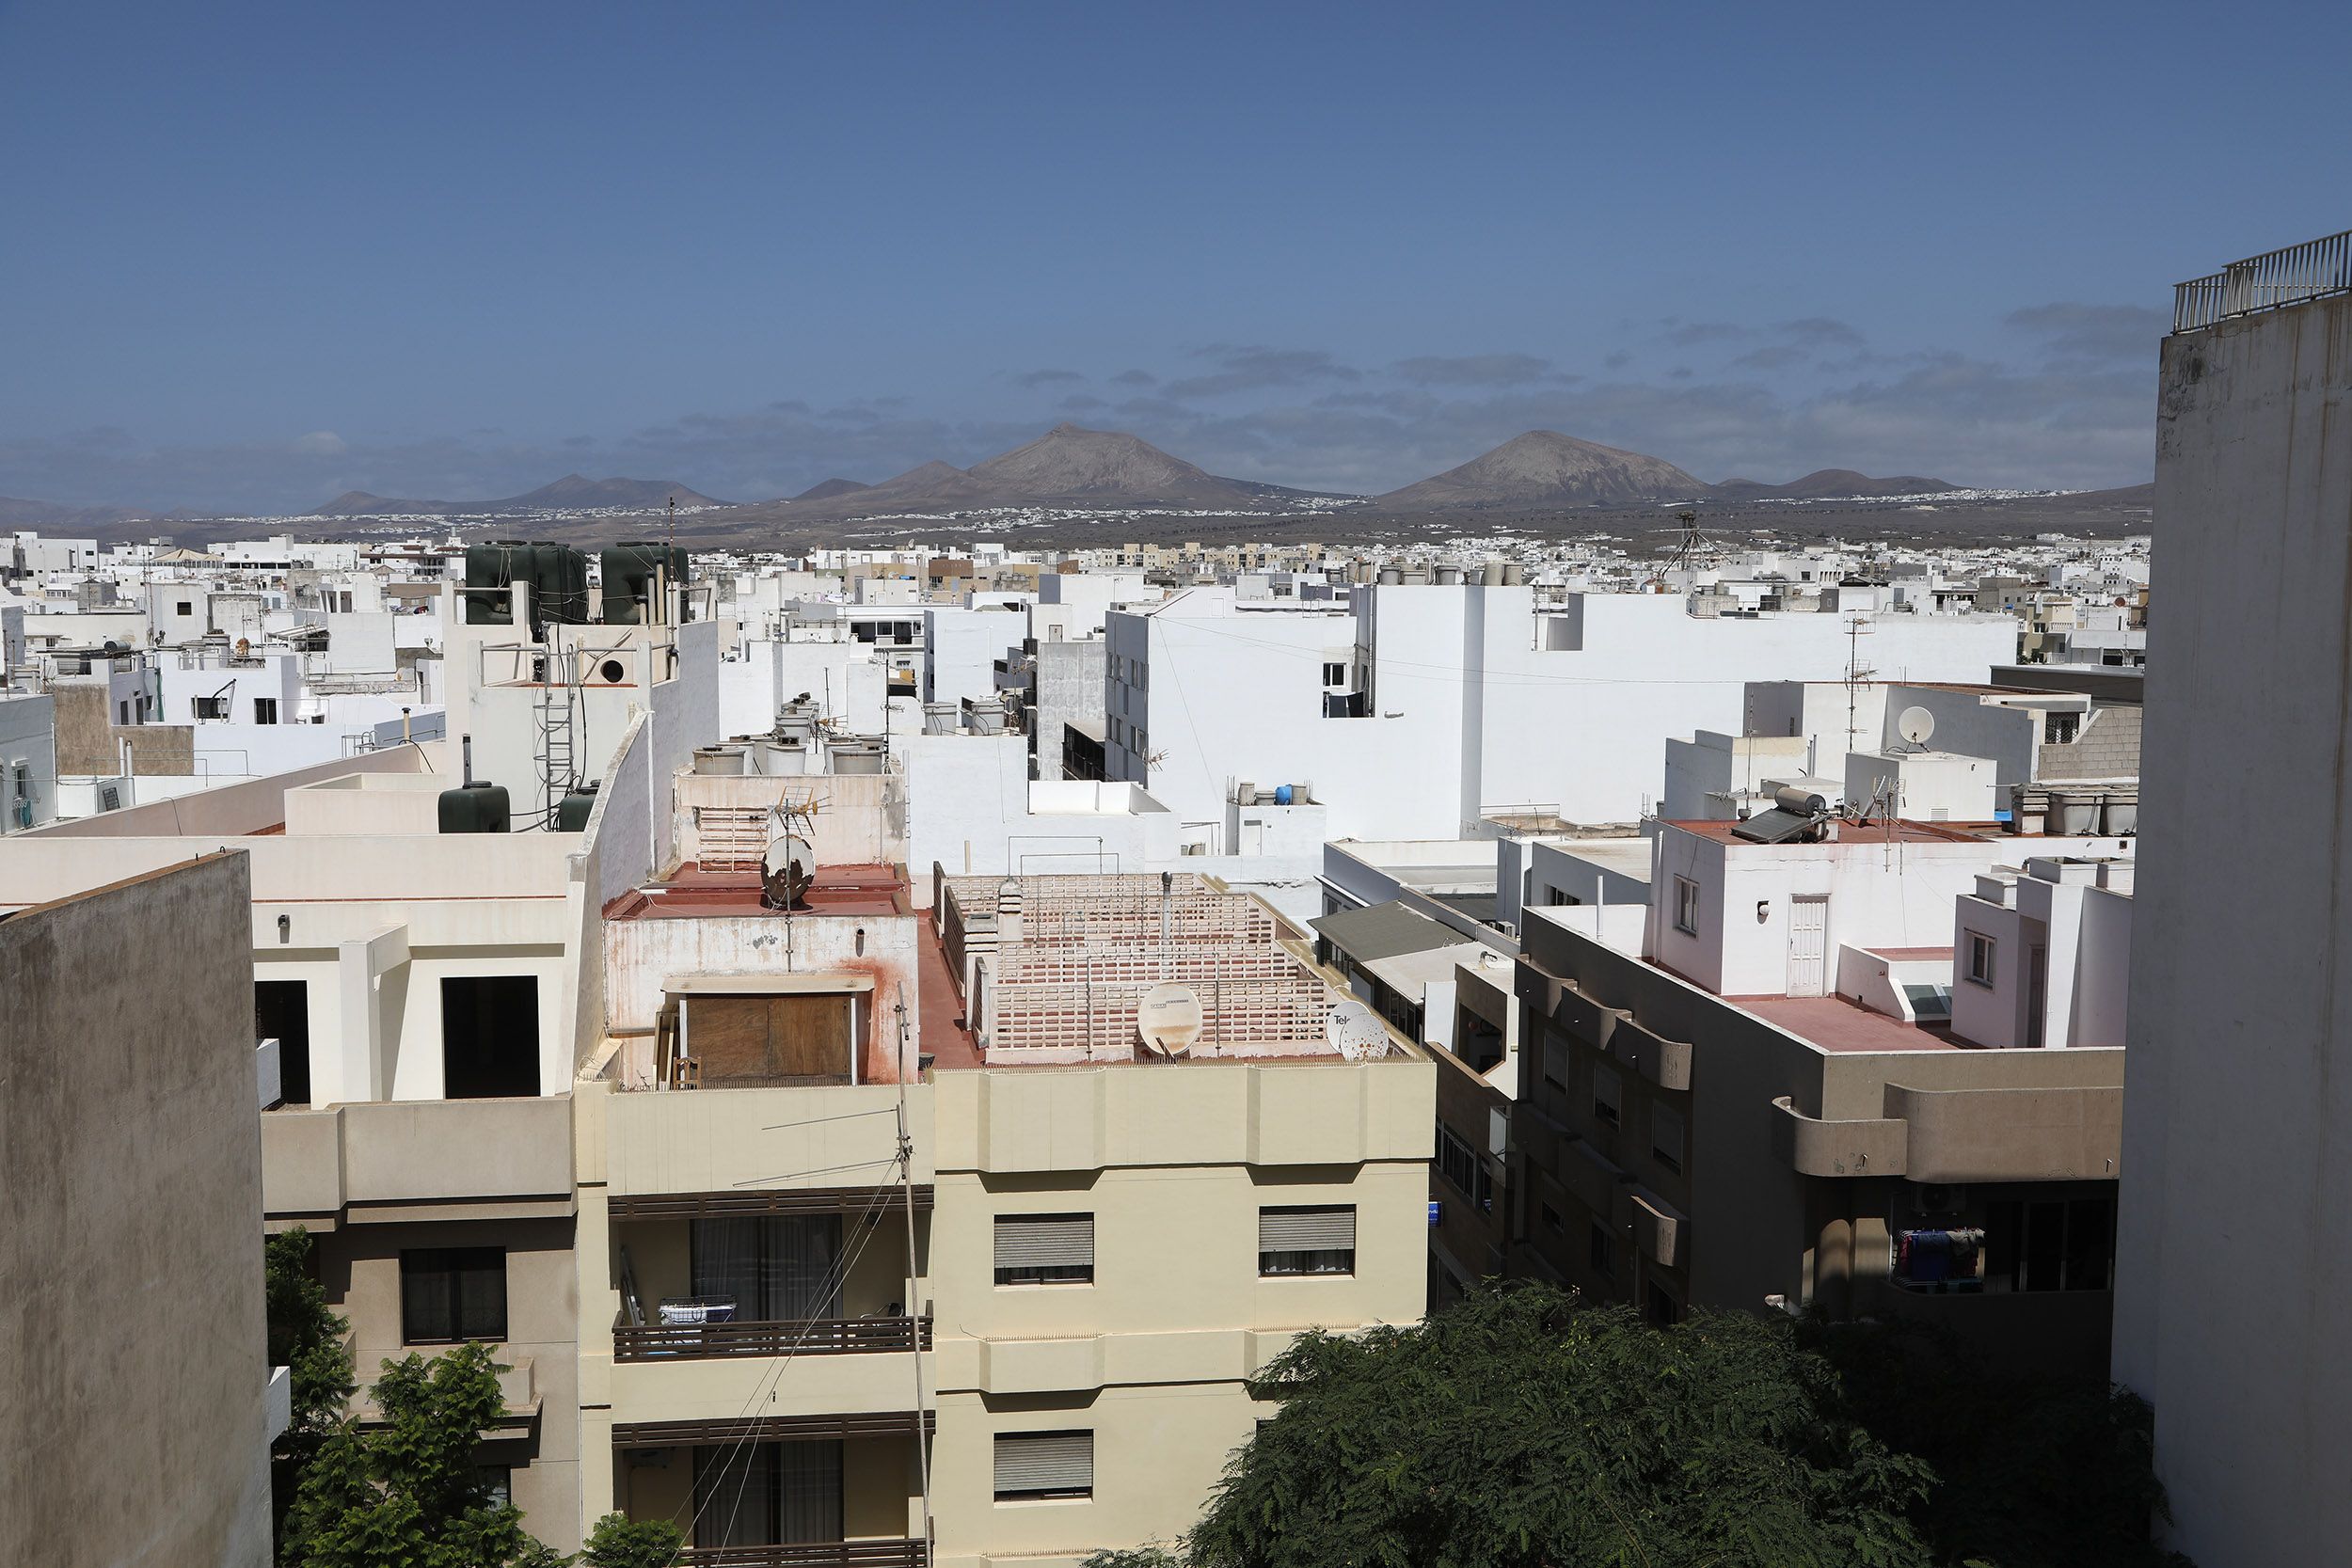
1832	1024
1384	931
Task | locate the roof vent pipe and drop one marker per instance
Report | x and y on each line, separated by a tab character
465	750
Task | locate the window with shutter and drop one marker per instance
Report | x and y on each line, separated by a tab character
1312	1239
1046	1249
1044	1465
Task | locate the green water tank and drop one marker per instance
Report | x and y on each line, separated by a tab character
629	568
558	583
571	812
492	566
475	808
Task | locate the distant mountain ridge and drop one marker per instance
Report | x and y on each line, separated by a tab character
1830	485
1545	469
572	493
1068	466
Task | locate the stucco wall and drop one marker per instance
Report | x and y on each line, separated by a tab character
132	1361
2234	1297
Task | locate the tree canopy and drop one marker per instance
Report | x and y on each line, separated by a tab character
1521	1430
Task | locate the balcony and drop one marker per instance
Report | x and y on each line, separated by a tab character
396	1160
803	1337
811	1554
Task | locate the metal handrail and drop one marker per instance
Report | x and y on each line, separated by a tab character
2312	270
899	1553
805	1336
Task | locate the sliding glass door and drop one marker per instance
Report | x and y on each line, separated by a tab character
768	1494
776	1268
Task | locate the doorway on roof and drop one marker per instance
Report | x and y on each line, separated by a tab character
1809	946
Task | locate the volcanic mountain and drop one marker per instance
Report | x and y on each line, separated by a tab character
1829	484
1067	467
572	493
1545	469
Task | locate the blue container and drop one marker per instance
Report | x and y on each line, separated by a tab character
1282	795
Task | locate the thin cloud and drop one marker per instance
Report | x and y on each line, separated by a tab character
1034	379
2074	330
1260	368
1473	369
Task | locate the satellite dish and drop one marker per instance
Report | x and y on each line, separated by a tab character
1915	724
786	870
1355	1032
1168	1018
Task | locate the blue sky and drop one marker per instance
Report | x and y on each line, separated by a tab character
255	254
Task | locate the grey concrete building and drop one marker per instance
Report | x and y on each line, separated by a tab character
134	1381
2234	1290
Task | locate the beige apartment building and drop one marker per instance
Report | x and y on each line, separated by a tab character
1828	1079
945	1266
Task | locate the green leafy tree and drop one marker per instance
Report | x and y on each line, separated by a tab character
306	1337
619	1542
1519	1429
408	1494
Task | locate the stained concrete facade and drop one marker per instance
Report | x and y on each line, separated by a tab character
133	1367
2234	1296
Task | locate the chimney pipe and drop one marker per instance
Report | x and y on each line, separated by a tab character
465	750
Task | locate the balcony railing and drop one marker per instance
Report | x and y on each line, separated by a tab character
811	1554
2311	270
805	1336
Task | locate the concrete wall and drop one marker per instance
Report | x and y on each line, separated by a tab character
2234	1299
132	1383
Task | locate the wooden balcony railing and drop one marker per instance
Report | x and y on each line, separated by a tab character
812	1553
808	1337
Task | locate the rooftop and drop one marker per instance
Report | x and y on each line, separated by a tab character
1898	831
1832	1024
693	893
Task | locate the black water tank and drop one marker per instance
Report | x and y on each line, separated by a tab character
571	812
475	808
493	566
558	583
628	572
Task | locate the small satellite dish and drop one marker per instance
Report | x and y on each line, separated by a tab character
1915	724
1168	1018
786	870
1355	1032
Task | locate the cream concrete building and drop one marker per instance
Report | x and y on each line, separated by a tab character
996	1289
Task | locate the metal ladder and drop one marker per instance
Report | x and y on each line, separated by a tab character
557	715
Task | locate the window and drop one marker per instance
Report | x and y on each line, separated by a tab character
1601	1250
1555	1065
1553	1222
265	710
1334	675
211	707
1046	1249
489	1036
776	1268
1660	1308
186	607
1032	1465
1665	1135
1980	959
1307	1239
1686	906
2050	1245
1456	1161
452	1294
1607	1095
1556	898
281	1012
768	1495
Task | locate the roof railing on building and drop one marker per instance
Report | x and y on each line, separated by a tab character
2312	270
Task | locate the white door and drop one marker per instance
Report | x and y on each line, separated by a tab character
1809	947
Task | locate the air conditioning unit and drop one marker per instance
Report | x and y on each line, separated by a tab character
1941	1198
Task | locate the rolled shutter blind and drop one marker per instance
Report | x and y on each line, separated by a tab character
1044	1241
1316	1230
1046	1462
